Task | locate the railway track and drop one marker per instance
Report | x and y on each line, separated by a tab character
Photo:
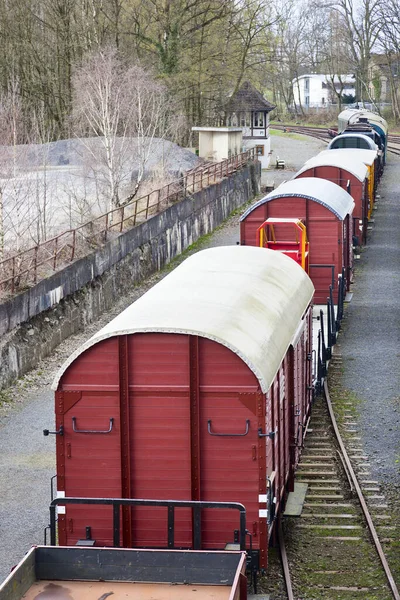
345	531
321	134
315	132
394	148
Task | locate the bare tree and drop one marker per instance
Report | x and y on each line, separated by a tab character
14	208
362	25
123	111
42	133
291	57
101	109
389	44
337	59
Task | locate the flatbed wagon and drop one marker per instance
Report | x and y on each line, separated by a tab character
96	573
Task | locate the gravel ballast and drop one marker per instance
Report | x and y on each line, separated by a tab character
371	344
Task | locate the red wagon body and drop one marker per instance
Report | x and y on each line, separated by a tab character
326	210
176	398
352	176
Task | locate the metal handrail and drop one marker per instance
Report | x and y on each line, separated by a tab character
116	503
331	267
61	249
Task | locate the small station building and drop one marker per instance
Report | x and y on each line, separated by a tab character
249	110
246	126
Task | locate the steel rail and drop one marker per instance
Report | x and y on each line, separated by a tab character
367	515
321	134
314	132
394	151
285	564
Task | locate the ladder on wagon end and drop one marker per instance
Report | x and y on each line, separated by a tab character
286	235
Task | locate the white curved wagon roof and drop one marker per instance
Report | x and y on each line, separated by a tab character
361	136
352	115
321	191
366	156
332	159
249	299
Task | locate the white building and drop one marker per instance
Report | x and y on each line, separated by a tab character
317	91
219	143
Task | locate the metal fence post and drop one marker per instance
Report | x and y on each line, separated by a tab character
106	227
35	260
55	253
73	244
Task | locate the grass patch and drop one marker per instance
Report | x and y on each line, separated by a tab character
290	123
5	397
288	134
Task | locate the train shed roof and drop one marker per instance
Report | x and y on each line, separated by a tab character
354	166
324	192
248	299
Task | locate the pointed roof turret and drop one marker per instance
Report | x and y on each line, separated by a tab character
248	98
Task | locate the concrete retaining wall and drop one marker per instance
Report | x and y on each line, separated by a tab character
33	323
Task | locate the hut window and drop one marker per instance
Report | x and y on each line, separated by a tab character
245	119
260	150
258	119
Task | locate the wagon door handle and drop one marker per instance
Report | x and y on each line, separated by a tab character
269	435
229	434
90	430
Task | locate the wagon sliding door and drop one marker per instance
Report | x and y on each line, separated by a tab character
228	443
88	452
159	435
92	465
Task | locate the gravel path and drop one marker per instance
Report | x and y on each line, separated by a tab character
371	343
27	458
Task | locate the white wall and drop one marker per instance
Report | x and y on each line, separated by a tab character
266	144
219	143
315	96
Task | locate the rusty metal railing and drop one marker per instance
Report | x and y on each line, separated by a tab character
29	266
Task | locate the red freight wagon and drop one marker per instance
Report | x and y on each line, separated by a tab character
200	390
326	210
352	175
370	159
